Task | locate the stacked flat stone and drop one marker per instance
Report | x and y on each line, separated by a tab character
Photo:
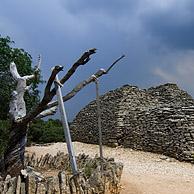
159	119
90	180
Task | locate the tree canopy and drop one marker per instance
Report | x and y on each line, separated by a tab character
7	84
41	131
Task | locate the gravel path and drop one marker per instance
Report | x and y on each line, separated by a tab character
144	173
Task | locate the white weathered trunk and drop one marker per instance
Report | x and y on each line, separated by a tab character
17	103
14	154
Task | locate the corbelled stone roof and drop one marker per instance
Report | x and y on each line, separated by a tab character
159	119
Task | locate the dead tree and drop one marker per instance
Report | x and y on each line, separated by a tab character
13	160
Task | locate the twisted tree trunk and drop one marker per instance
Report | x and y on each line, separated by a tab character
14	155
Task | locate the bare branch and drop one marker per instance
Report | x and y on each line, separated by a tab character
55	71
14	71
28	77
37	67
81	61
78	88
116	61
29	87
84	83
48	93
47	112
48	96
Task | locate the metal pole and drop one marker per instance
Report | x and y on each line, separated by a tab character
66	127
99	118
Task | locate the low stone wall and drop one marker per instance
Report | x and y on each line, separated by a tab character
159	119
90	180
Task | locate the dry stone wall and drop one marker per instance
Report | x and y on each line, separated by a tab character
159	119
91	179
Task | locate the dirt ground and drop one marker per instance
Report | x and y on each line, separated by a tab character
143	173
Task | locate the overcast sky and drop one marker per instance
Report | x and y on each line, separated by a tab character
155	35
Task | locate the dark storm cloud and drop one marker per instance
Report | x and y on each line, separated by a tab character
173	27
154	35
114	7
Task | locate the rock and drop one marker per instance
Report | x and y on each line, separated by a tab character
24	173
31	184
163	157
23	189
31	171
41	188
12	185
18	185
7	178
63	180
6	183
168	160
53	185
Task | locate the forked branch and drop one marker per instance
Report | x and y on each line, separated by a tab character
48	96
84	83
81	61
50	93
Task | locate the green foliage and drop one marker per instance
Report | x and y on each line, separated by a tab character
39	132
7	84
46	132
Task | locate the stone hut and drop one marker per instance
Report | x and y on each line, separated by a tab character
159	119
